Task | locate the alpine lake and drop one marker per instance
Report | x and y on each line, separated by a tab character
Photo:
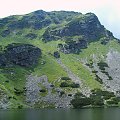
112	113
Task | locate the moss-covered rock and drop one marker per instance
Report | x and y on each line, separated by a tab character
23	54
20	54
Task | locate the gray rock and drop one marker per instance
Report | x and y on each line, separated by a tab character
23	54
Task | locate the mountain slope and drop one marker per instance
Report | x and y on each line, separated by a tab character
48	57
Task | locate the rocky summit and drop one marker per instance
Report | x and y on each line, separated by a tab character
58	59
86	26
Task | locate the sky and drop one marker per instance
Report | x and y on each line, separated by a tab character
106	10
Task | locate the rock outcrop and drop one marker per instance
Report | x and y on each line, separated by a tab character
73	46
86	25
20	54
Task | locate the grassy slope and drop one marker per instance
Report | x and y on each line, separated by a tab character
51	68
81	71
14	80
18	79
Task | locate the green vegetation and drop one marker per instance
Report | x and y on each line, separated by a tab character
98	79
102	65
69	84
53	70
113	101
31	44
65	78
97	98
76	66
81	102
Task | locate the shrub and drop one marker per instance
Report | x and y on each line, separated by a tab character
106	73
43	90
98	96
64	84
80	102
70	95
74	85
97	101
113	100
20	106
102	65
65	78
94	71
79	95
98	79
17	91
90	65
105	94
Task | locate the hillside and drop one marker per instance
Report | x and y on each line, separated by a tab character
47	58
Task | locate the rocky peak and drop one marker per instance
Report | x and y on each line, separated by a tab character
86	25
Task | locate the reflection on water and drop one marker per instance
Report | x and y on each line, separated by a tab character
61	114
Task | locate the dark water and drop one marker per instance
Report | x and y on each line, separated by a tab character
62	114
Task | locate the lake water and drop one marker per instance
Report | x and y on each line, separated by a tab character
62	114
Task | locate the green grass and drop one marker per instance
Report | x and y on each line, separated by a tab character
82	72
16	79
99	50
48	65
51	68
16	76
